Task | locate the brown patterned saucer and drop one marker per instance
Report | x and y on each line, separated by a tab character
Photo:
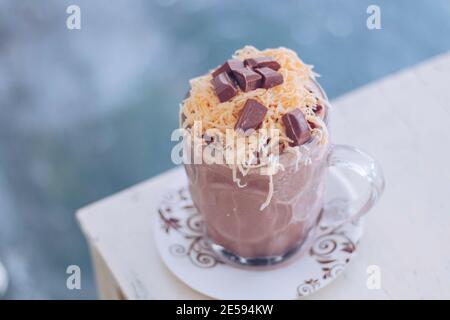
180	242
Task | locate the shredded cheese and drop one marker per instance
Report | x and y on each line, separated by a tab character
203	105
269	194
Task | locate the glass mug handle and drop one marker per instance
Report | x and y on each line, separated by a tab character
337	213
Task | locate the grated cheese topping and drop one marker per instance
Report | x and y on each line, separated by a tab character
202	105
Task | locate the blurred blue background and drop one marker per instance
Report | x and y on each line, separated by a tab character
86	113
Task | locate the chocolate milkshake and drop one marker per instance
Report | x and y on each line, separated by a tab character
262	204
232	214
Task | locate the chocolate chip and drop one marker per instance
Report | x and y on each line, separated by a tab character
270	78
262	62
229	66
247	79
224	87
297	128
251	116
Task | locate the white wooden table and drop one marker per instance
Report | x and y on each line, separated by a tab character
403	121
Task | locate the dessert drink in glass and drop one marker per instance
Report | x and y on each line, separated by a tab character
258	125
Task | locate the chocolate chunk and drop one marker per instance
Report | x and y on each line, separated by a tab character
312	125
247	79
251	63
262	62
251	116
228	67
297	128
319	111
270	78
224	87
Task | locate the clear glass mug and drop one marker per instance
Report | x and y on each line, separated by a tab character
240	233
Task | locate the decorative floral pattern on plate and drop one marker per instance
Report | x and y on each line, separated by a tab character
179	237
190	227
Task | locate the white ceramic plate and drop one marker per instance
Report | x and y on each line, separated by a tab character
180	243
